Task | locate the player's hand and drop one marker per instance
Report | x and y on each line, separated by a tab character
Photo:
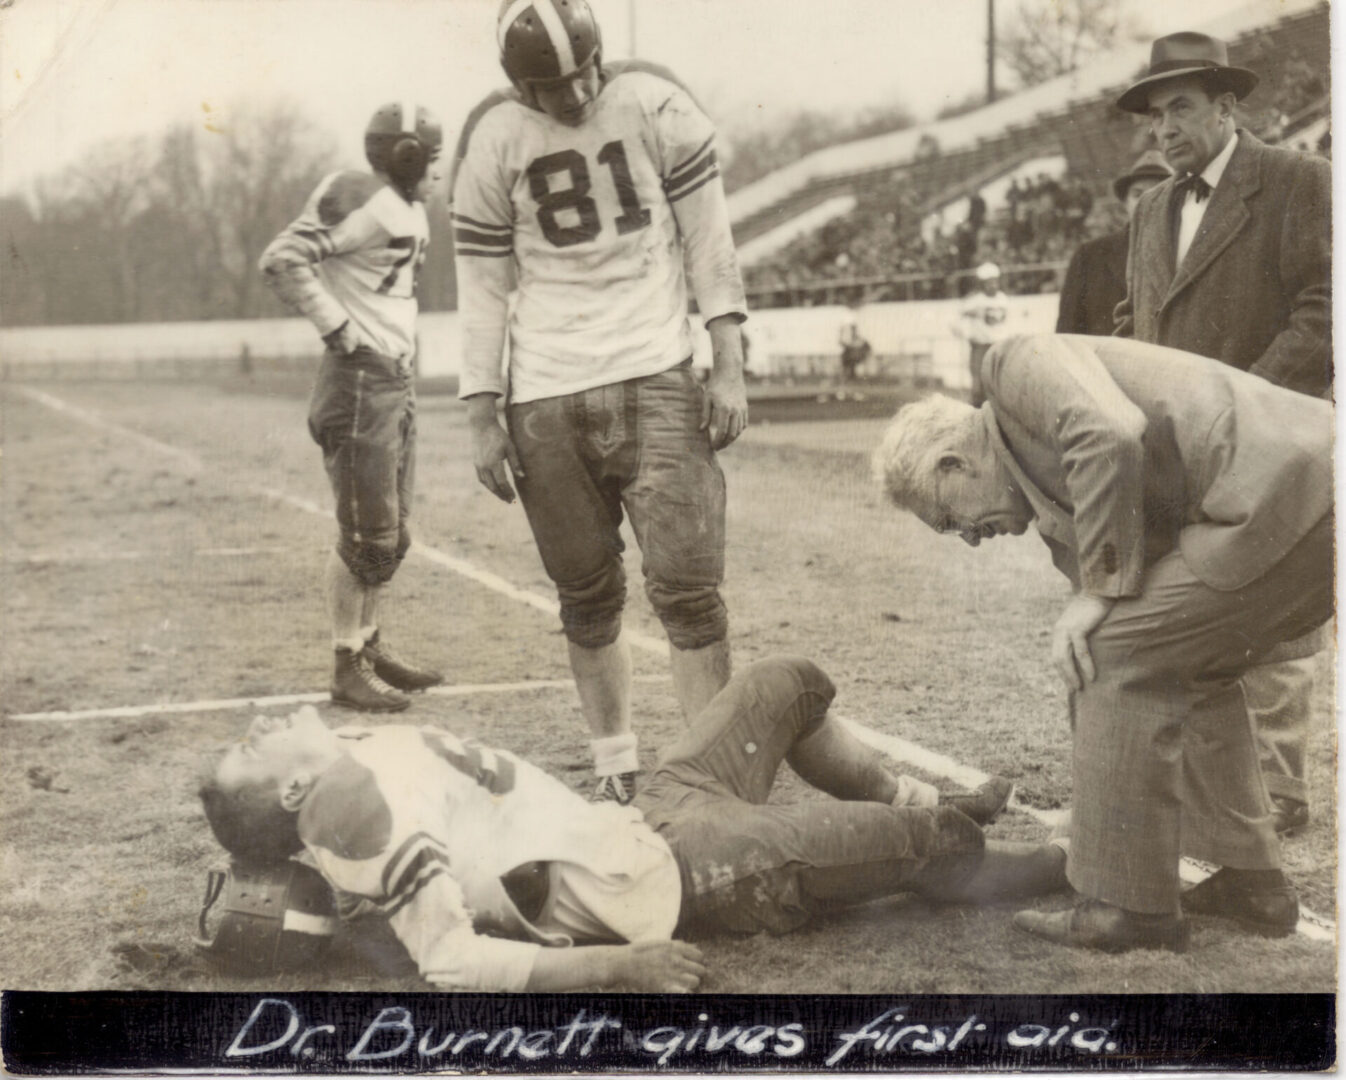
345	339
724	408
1070	638
491	449
661	967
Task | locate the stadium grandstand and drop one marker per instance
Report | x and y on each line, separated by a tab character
908	215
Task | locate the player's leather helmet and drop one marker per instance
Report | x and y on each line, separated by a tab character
546	39
273	918
401	140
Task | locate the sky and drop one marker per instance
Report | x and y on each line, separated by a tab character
76	72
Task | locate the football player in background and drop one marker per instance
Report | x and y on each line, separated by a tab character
586	186
348	263
479	860
981	322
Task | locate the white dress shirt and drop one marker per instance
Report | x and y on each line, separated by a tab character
1189	220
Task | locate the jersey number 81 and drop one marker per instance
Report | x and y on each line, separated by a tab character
576	197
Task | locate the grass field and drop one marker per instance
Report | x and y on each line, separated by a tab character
157	549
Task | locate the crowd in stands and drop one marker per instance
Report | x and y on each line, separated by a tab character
881	250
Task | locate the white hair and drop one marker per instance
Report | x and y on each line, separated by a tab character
905	462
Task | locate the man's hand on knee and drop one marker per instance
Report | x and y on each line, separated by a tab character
1070	638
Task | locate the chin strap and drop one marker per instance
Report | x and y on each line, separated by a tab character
215	880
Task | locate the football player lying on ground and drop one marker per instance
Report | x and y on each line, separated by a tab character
453	841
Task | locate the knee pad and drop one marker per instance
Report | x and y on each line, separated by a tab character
694	616
591	608
370	563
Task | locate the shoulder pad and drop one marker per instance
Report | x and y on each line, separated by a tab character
346	193
346	813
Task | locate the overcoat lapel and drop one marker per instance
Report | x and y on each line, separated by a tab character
1226	216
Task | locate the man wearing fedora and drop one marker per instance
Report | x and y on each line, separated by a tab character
1231	259
1096	277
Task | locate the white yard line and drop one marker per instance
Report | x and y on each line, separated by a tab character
52	558
121	712
1311	925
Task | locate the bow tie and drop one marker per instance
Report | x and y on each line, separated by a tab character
1197	186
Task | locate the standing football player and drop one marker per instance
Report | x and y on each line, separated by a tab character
587	186
348	263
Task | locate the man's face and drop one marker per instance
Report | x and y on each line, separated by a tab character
431	182
275	748
1188	123
568	101
979	503
1135	190
990	286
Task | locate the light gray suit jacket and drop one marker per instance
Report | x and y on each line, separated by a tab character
1127	450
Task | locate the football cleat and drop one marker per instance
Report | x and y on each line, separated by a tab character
272	919
619	788
984	804
355	686
395	671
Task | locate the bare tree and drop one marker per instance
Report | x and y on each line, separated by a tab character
227	190
1048	38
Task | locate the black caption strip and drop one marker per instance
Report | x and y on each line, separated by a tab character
44	1033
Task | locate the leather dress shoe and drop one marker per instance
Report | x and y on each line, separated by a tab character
1093	924
985	803
1288	815
1260	901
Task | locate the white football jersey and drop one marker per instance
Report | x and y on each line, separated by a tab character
591	223
424	826
354	253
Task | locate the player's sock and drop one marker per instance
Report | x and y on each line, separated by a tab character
345	604
615	754
835	761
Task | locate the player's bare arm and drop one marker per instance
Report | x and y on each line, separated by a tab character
491	447
725	408
650	967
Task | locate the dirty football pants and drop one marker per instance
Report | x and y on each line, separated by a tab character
747	866
1165	762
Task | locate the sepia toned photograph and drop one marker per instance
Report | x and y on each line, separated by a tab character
481	485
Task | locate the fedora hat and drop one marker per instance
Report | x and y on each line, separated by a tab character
1188	53
1150	163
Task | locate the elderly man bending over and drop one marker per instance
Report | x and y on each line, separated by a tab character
1191	506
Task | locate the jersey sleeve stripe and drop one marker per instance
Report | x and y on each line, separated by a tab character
484	226
471	236
689	161
708	163
700	184
404	898
415	840
474	253
424	859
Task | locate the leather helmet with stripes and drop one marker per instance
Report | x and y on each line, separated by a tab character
546	39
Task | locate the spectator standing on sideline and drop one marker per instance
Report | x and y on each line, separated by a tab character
1096	277
588	185
855	350
1191	507
981	322
348	263
1232	259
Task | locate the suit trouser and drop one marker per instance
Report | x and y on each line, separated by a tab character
1278	692
1165	761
